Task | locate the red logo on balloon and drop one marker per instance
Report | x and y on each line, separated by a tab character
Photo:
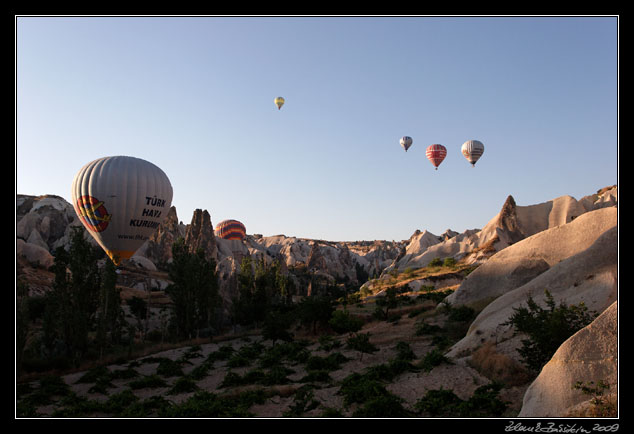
93	213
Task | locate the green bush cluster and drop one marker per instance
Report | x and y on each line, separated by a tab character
546	328
484	402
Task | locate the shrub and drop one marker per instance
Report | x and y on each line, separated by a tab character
331	362
169	368
150	381
200	371
183	385
439	402
119	401
461	314
382	406
303	401
208	405
432	359
483	403
546	328
602	406
497	366
342	321
222	353
361	342
358	388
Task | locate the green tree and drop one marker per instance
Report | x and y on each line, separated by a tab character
342	321
194	291
385	303
546	328
22	315
261	287
139	309
110	315
277	324
315	310
72	304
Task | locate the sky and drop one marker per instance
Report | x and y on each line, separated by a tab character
194	95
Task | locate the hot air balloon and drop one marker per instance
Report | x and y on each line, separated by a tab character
406	142
121	201
230	230
279	102
472	150
436	154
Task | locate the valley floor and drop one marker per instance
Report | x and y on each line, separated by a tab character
246	377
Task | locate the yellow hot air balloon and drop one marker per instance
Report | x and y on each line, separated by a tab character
279	102
121	201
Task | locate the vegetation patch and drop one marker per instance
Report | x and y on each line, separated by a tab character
484	402
546	328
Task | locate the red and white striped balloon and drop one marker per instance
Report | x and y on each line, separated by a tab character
436	154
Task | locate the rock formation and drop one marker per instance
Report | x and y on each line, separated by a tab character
158	248
587	275
200	234
590	355
512	224
523	261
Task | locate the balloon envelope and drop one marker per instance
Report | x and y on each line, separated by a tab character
279	102
472	150
436	154
406	142
230	230
121	201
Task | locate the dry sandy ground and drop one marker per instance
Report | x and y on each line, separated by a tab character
410	386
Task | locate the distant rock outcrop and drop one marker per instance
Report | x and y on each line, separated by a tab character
512	224
158	248
200	234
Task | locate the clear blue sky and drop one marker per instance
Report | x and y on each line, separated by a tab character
194	95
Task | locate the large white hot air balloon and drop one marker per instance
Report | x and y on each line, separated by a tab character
121	201
472	151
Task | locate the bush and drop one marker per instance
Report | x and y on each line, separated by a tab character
547	328
183	385
358	388
208	405
602	406
150	381
169	368
439	402
382	406
436	262
343	322
499	367
432	359
449	262
483	403
361	342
